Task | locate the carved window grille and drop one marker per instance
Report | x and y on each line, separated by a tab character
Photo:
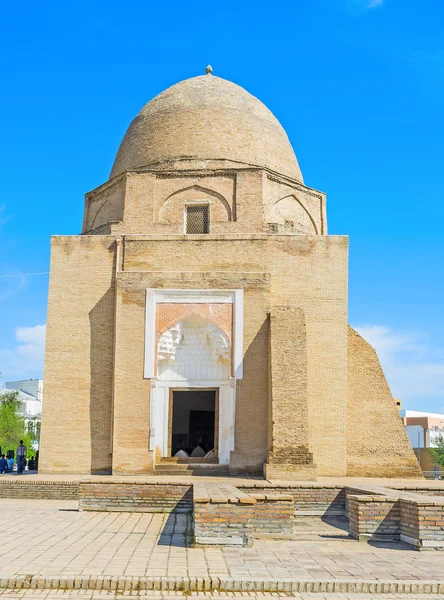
197	219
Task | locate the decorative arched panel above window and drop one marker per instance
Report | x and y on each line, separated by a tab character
289	215
194	202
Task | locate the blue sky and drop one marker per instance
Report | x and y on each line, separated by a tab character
358	85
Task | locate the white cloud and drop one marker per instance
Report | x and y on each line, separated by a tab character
366	4
25	360
4	218
10	286
414	372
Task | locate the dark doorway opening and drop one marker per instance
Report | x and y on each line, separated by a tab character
193	420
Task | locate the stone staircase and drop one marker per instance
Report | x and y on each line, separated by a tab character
187	467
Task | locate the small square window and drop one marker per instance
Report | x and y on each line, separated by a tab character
197	219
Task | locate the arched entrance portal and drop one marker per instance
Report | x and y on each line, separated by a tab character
194	401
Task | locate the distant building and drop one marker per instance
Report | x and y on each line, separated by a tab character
31	399
423	430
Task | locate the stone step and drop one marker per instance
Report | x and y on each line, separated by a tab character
194	469
193	473
179	460
190	466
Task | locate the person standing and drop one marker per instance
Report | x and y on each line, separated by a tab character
21	454
3	464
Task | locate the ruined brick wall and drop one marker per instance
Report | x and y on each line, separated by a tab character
289	452
76	419
310	272
377	444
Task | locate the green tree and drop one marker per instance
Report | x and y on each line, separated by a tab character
437	453
12	424
33	430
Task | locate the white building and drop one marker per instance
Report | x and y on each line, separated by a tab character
31	399
31	395
423	429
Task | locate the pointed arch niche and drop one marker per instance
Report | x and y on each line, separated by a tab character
193	349
193	341
172	209
289	215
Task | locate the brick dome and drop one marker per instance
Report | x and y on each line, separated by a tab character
206	118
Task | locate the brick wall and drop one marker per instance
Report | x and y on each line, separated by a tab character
76	417
226	515
374	518
135	497
273	516
289	455
309	499
422	523
307	272
223	524
46	490
430	491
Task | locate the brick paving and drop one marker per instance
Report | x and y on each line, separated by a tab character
103	595
48	538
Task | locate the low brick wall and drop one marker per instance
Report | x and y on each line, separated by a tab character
135	497
310	499
420	490
422	523
223	515
374	518
359	491
223	524
38	490
273	516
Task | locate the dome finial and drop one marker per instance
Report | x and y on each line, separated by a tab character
209	70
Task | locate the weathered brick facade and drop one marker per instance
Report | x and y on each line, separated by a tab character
306	391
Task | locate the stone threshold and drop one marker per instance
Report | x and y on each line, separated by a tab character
211	584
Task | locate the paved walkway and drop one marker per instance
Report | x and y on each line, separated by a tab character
90	595
49	538
321	481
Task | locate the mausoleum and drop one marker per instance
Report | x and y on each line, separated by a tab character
203	311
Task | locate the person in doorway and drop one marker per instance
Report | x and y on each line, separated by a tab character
31	464
21	457
3	464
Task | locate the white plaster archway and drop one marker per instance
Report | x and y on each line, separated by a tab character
193	349
194	353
